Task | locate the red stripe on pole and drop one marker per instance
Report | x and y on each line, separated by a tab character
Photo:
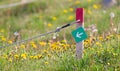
80	15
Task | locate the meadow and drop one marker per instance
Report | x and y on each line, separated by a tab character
56	52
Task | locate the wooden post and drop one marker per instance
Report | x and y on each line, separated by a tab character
79	45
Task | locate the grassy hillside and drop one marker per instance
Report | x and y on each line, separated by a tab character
56	52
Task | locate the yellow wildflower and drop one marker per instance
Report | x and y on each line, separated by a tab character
9	41
70	18
77	2
32	42
92	49
85	43
98	43
64	41
16	56
88	41
45	51
10	59
31	57
89	12
39	55
67	45
22	46
24	55
95	6
71	9
54	18
35	57
101	38
34	45
46	63
89	0
42	43
49	24
53	46
5	56
65	11
49	55
3	39
108	37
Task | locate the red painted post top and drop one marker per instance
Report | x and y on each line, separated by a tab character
80	15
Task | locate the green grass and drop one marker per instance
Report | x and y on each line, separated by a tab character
56	55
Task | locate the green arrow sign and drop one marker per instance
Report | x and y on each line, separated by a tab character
79	34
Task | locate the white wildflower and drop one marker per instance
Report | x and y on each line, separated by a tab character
112	15
16	34
115	29
94	30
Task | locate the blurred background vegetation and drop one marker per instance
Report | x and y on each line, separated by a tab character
33	18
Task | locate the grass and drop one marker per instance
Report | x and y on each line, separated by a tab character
101	51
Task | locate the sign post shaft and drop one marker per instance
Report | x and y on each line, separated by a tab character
79	45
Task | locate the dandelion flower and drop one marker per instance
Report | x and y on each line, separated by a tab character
46	63
95	6
22	46
65	11
16	56
42	43
24	55
64	41
89	0
49	25
49	55
5	56
101	38
89	12
54	18
108	37
45	51
39	55
98	43
3	39
10	42
10	59
71	9
31	57
70	18
33	44
35	57
88	41
77	2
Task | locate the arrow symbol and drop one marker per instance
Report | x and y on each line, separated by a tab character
79	34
